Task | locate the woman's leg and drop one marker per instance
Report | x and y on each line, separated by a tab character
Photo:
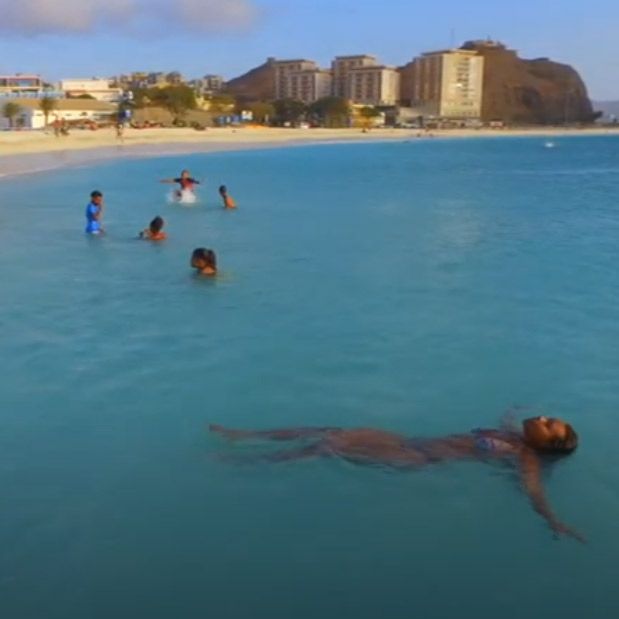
286	434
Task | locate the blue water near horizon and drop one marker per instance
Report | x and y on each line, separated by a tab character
423	287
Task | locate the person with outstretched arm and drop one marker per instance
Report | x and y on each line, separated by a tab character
185	181
525	449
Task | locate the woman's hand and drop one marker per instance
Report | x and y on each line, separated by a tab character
562	529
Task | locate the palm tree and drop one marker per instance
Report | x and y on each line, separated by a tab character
10	111
47	106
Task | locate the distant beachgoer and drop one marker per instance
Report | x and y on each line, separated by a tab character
186	182
94	213
526	449
154	232
204	261
227	199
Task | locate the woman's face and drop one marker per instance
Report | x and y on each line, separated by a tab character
544	432
198	263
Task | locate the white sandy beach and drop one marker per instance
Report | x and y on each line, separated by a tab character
23	151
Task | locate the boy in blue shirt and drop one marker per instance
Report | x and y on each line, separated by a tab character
94	212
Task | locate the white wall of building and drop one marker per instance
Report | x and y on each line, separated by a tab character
99	89
34	119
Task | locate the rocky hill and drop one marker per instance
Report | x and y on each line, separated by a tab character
255	85
530	91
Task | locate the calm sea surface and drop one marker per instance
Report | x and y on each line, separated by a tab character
421	287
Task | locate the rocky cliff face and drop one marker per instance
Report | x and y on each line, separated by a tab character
530	91
255	85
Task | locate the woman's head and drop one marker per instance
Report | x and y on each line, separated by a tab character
156	225
223	190
204	259
549	435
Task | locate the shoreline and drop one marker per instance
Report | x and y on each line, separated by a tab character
38	152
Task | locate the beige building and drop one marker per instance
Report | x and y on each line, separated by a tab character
284	69
98	89
20	85
309	86
373	85
341	68
447	84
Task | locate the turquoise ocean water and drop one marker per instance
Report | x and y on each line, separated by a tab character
422	287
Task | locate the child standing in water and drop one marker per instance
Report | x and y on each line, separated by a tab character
154	232
204	261
94	213
227	199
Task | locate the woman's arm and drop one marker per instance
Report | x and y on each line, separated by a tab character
530	471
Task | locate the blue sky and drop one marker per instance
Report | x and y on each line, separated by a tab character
82	38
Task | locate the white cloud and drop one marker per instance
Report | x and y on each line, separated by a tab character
30	17
45	16
215	15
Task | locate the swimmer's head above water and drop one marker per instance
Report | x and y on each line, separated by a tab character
154	232
96	197
156	225
204	260
548	435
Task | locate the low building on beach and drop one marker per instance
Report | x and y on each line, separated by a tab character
72	111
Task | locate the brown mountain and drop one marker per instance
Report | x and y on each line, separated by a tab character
255	85
530	91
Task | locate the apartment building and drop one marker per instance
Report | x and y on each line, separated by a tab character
341	68
373	85
284	69
213	83
448	84
20	85
311	85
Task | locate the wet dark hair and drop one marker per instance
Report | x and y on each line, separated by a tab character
561	446
156	224
205	255
568	444
96	194
223	189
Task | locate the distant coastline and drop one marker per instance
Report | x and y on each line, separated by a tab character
31	152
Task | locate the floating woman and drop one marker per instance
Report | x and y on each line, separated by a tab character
524	448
